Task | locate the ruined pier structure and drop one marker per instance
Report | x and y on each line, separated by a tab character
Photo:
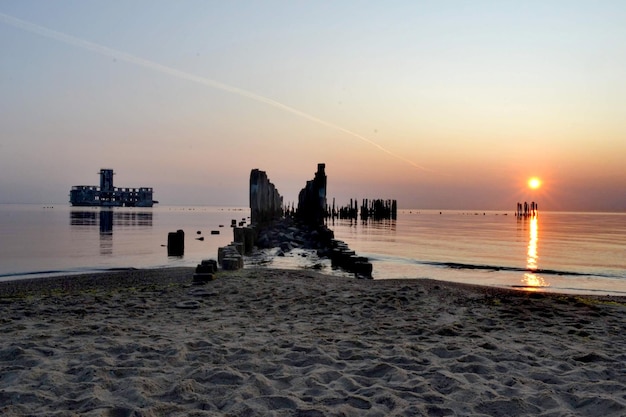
305	229
266	203
266	207
309	221
527	210
266	212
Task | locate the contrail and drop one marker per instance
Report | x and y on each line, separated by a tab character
113	53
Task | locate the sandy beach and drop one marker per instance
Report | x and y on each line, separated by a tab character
263	342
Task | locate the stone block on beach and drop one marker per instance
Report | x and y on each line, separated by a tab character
205	271
202	278
229	257
232	263
207	266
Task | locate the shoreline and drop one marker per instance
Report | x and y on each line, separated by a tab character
118	278
295	262
261	341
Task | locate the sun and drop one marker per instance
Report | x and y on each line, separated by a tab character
534	183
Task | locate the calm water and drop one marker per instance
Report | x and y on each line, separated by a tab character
566	252
34	239
569	252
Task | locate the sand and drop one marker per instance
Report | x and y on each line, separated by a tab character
262	342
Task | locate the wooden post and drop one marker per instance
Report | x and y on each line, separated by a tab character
176	243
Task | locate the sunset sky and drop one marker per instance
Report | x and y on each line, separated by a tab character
438	104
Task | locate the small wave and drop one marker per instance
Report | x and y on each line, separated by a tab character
571	290
56	272
498	268
15	275
485	267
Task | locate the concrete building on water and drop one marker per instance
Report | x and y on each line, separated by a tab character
106	195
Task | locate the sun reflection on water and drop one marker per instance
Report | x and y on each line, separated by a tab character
531	280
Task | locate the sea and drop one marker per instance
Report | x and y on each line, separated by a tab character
553	251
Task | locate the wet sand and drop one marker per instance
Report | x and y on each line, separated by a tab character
263	342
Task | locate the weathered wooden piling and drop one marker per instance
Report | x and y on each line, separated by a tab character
312	199
266	203
176	243
238	236
245	236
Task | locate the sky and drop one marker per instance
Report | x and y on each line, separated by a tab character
437	104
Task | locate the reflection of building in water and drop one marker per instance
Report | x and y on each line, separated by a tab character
531	279
106	232
114	218
106	220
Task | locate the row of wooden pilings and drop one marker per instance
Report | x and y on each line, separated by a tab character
377	209
266	207
344	257
229	257
527	210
